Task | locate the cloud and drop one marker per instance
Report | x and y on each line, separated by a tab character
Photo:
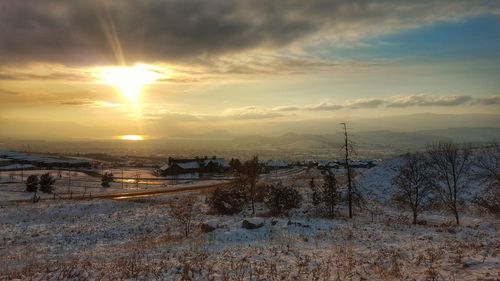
82	32
491	100
246	113
427	100
46	72
86	102
364	103
77	102
395	102
328	106
230	114
323	106
286	108
165	115
8	92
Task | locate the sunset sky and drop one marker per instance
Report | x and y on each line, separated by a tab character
100	69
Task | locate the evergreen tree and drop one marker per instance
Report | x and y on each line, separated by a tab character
326	196
32	183
47	183
106	179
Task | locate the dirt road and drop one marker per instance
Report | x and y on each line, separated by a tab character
137	194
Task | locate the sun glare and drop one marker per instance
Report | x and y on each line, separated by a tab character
132	137
130	80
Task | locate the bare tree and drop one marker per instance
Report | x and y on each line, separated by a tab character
326	196
183	212
349	147
414	184
235	164
250	171
452	164
487	164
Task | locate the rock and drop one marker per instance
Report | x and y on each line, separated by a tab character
207	228
251	225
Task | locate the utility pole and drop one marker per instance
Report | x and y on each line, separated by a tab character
348	169
137	178
69	179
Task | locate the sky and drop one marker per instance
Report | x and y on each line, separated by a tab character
102	69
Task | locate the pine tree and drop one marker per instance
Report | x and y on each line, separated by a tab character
32	183
326	196
46	183
106	179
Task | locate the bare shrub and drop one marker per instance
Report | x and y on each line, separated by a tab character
388	263
431	259
183	212
280	199
227	201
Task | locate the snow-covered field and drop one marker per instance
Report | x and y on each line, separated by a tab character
139	239
79	184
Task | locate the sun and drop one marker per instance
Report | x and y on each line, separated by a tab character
132	137
130	80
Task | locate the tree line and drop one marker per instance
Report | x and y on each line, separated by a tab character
442	174
439	177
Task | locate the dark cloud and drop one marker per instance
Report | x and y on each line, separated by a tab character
96	32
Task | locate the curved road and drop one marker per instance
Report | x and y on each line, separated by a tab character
139	194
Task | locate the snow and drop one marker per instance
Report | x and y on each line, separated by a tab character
139	240
16	167
219	161
79	184
276	163
189	165
20	156
376	182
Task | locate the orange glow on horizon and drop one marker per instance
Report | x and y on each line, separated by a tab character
132	137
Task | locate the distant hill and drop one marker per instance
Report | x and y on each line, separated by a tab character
218	134
371	139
